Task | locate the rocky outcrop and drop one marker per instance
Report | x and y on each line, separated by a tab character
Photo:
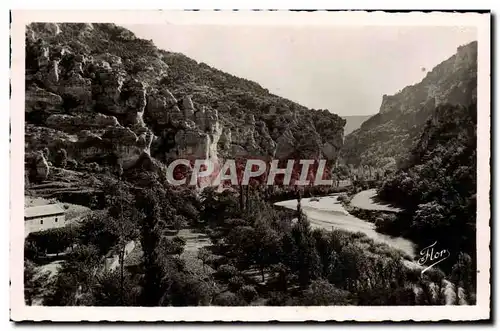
107	97
37	166
37	99
70	123
386	138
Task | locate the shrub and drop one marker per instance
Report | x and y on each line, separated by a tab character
226	271
322	293
228	299
235	283
61	158
72	164
343	198
94	167
248	292
52	240
278	299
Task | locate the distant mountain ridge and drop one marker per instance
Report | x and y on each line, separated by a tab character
385	139
354	122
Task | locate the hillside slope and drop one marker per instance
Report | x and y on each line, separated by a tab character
437	185
108	98
385	139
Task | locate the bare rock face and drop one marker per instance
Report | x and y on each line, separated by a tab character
191	143
285	145
69	123
225	140
264	140
330	150
157	110
402	116
159	107
104	95
38	167
176	117
42	167
198	139
188	107
133	95
40	99
170	100
120	135
106	88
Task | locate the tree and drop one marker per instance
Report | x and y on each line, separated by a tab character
204	256
463	274
226	272
229	299
112	291
322	293
75	282
307	260
35	282
122	220
147	203
61	158
266	248
248	292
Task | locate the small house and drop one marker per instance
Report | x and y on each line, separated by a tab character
40	218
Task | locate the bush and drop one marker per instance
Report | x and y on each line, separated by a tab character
322	293
94	167
226	271
72	164
61	158
229	299
385	223
235	283
248	292
278	299
53	240
343	198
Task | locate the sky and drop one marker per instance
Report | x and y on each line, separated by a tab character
343	69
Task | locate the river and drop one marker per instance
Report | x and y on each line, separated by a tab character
328	213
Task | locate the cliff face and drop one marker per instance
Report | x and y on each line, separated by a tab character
386	138
106	96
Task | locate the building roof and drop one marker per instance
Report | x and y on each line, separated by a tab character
38	211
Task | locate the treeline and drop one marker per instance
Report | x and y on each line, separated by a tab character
259	255
147	216
281	260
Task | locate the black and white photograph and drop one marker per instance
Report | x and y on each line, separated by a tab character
263	160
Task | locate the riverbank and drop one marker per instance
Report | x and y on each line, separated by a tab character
328	213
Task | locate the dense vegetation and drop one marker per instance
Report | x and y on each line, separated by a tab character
437	185
259	255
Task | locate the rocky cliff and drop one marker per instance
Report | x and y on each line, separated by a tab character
385	139
105	96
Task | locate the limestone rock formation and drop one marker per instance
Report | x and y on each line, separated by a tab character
70	123
385	138
37	166
39	99
106	96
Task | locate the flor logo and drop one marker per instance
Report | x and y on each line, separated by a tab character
429	256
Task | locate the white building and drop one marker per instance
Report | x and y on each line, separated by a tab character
41	218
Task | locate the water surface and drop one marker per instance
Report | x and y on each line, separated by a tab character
328	213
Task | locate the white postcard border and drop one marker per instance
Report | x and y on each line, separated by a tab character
19	311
